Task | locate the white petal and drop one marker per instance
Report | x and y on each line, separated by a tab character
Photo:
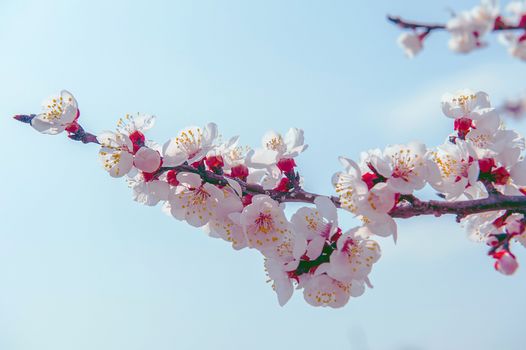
210	133
326	208
172	154
190	179
262	158
518	173
147	160
235	186
44	127
124	165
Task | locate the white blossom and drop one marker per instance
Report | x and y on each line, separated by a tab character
349	185
404	167
222	226
116	153
480	226
58	112
231	152
281	282
516	44
149	193
517	9
265	226
322	290
354	257
192	144
468	27
374	207
195	201
467	104
276	147
411	43
126	147
316	226
454	169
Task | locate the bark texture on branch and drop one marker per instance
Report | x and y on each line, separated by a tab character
408	206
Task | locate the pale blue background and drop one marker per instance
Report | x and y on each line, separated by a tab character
83	267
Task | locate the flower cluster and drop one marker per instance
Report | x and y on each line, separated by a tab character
468	29
238	194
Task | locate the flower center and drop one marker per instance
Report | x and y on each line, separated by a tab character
463	100
451	167
200	196
480	140
264	223
404	164
276	144
55	109
190	141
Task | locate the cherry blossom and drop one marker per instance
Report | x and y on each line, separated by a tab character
147	160
126	147
191	145
411	43
322	290
221	225
193	200
239	195
149	193
506	263
479	227
276	147
349	185
116	153
265	226
516	44
316	225
403	166
453	169
232	154
282	284
59	112
517	9
354	257
469	28
466	104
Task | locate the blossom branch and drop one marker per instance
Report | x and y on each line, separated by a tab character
428	27
398	21
236	193
468	28
409	206
75	131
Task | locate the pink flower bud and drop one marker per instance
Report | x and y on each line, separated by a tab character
147	160
506	263
239	171
137	138
286	165
492	241
214	162
171	178
501	175
463	126
486	164
73	127
284	185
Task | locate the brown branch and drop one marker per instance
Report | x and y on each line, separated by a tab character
414	25
428	27
409	206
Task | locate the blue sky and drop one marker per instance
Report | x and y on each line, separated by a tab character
84	267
